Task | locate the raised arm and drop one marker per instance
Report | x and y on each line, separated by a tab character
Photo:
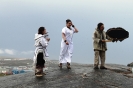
44	42
75	29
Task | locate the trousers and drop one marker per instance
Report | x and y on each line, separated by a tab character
101	55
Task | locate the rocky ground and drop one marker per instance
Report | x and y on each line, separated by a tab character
130	64
80	76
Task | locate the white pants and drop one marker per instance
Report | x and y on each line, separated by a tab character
66	53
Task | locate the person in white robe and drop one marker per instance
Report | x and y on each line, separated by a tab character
41	43
66	51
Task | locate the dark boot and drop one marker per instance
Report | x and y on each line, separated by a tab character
68	66
103	67
96	67
38	72
60	65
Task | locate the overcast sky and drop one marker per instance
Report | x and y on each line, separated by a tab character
20	20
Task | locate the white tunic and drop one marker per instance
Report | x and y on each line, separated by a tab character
66	50
41	43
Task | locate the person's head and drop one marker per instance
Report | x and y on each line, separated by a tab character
41	30
100	26
68	23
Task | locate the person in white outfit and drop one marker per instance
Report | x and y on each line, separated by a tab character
41	42
66	51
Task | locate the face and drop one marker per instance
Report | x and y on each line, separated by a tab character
44	32
102	28
69	24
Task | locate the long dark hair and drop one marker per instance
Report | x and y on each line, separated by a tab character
40	30
99	25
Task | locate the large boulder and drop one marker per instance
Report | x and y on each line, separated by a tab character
130	65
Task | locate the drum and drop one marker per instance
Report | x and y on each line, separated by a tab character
117	34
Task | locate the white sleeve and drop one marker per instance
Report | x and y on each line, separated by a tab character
73	30
64	30
95	38
44	42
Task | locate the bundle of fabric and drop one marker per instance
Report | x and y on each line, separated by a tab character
46	35
117	34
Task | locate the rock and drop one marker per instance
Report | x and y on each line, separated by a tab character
114	77
130	65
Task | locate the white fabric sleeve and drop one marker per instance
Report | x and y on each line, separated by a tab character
44	42
73	30
95	38
64	30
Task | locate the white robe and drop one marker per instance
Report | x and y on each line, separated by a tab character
66	51
41	43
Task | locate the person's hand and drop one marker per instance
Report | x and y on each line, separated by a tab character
67	43
103	41
73	25
115	40
48	39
